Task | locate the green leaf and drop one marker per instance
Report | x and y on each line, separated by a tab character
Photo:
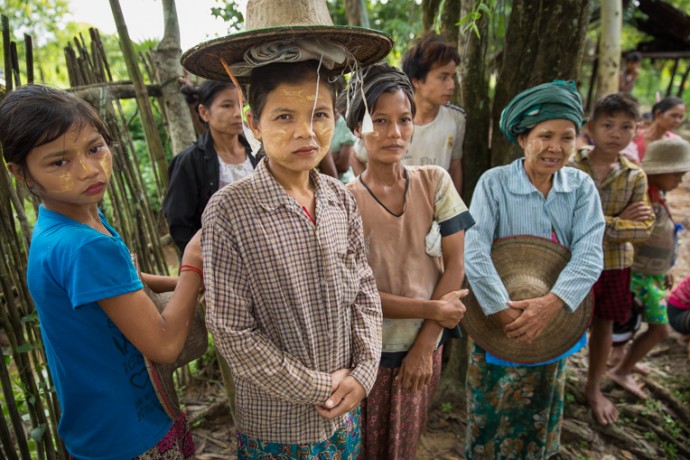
25	347
483	7
38	432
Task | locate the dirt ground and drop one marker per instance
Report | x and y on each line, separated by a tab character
657	427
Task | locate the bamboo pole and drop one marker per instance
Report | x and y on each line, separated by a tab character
681	87
15	418
6	40
28	45
153	140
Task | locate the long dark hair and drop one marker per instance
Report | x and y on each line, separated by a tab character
34	115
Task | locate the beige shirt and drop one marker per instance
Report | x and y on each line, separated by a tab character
288	302
396	247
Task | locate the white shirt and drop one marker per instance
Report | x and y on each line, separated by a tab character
439	141
230	173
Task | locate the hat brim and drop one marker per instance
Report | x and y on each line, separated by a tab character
366	45
161	375
529	267
665	168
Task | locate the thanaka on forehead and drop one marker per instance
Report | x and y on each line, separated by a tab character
94	138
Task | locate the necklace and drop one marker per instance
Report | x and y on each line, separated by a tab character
407	187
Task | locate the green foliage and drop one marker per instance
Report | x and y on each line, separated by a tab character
401	19
229	11
469	22
42	19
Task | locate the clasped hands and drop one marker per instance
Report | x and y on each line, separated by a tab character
525	320
346	394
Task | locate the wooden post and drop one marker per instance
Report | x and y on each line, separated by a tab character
609	47
6	39
673	77
28	44
683	80
151	135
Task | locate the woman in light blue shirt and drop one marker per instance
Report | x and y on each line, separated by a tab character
516	411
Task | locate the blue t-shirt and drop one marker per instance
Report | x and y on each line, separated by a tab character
109	406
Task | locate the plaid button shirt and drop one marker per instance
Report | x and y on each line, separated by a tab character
289	302
623	186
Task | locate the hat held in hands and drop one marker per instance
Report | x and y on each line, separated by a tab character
529	267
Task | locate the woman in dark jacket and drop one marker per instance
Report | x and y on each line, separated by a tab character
219	157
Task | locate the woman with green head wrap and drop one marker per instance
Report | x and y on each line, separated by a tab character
515	410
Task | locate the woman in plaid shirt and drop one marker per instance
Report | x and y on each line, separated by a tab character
292	302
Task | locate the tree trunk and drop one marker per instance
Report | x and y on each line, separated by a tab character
474	86
429	13
353	12
153	140
450	16
544	41
166	57
609	47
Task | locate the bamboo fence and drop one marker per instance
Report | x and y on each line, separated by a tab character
30	410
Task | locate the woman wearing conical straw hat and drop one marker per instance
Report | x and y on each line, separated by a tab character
292	302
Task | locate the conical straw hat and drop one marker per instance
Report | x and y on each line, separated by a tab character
279	20
161	375
529	267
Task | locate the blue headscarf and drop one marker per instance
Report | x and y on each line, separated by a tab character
558	99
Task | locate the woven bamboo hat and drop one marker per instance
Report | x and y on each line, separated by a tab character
280	23
669	155
529	267
161	375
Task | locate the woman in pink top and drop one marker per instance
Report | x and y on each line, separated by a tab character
668	114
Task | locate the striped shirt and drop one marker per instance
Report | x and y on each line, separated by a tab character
289	302
505	203
626	184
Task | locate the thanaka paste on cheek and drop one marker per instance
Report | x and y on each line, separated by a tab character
66	182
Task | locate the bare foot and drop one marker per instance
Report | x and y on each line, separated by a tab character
642	369
627	382
616	356
603	410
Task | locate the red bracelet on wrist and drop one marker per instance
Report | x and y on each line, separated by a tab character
191	268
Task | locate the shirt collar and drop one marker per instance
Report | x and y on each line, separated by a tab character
270	194
521	185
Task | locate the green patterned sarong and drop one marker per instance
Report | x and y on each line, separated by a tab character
513	412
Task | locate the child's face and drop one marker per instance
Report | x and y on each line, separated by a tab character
611	133
666	182
295	132
71	171
393	127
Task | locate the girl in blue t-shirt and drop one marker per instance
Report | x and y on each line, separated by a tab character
96	321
